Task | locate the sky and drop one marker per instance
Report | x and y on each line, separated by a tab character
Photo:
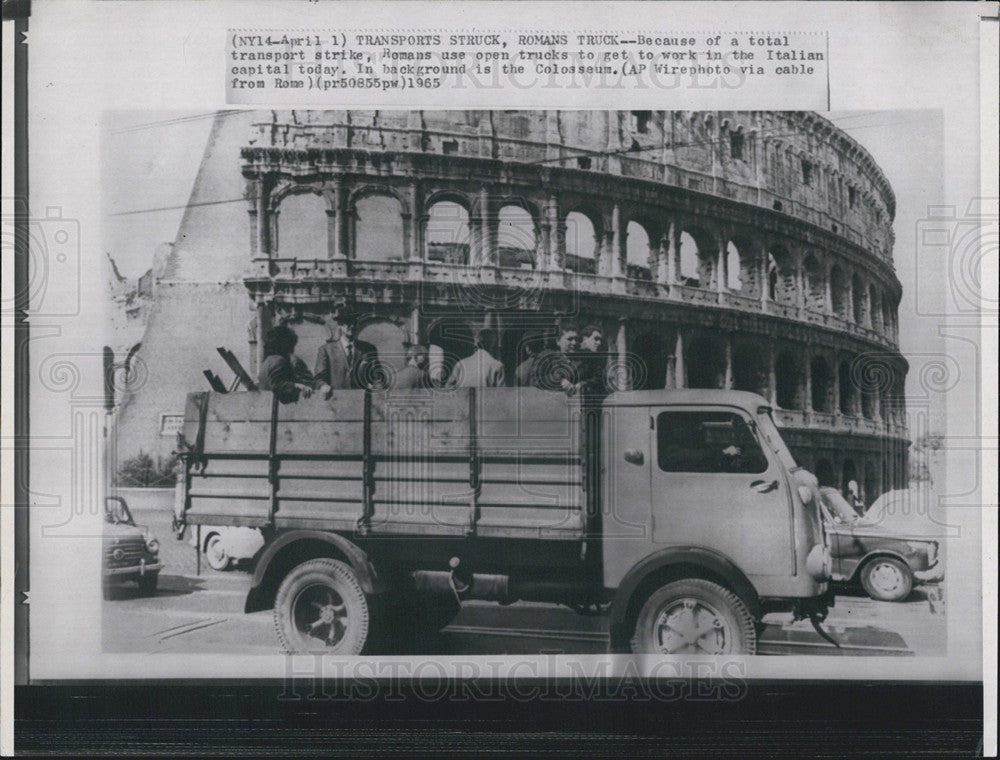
152	158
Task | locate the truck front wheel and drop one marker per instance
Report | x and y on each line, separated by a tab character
886	579
320	607
694	616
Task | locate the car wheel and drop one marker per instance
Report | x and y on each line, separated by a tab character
887	579
694	616
215	553
320	608
147	583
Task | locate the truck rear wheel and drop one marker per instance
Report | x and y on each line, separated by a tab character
694	616
320	608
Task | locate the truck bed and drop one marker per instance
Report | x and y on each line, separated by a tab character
500	462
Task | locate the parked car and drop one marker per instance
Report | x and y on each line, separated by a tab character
887	559
224	545
131	553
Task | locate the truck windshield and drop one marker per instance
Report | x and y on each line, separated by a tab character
773	438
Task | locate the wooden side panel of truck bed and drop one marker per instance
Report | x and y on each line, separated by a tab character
496	462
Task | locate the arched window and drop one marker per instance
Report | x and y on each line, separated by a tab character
705	361
848	389
887	317
378	229
822	385
815	286
874	308
734	267
789	381
772	275
750	370
515	237
838	292
824	472
638	252
581	243
302	227
689	261
782	281
448	233
860	301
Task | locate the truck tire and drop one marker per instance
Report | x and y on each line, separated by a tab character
694	616
320	608
886	579
215	553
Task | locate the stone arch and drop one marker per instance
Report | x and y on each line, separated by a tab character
848	389
859	300
704	360
301	224
887	317
750	369
874	308
639	250
815	284
839	294
378	227
789	381
517	234
781	276
742	269
447	232
650	347
821	380
824	472
704	257
582	242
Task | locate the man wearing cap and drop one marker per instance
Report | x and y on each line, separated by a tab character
343	361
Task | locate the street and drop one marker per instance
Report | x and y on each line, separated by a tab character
203	613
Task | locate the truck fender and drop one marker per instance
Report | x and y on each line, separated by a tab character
712	564
278	556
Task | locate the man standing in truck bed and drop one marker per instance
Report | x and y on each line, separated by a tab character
343	361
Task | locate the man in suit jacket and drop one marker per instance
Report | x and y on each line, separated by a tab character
482	369
343	361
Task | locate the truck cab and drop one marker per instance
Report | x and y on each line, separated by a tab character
701	481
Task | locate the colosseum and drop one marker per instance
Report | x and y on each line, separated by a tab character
746	250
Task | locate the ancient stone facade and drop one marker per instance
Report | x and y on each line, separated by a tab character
748	250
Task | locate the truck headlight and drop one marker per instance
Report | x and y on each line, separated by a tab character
152	545
806	494
818	563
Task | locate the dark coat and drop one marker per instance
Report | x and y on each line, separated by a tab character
411	377
276	375
331	366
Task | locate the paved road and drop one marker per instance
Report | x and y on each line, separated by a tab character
203	613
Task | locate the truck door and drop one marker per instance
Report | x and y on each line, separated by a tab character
715	486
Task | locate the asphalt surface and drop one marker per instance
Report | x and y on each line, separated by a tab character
194	612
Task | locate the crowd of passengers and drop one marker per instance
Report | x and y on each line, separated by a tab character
574	361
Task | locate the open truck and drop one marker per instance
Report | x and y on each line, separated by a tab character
680	514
